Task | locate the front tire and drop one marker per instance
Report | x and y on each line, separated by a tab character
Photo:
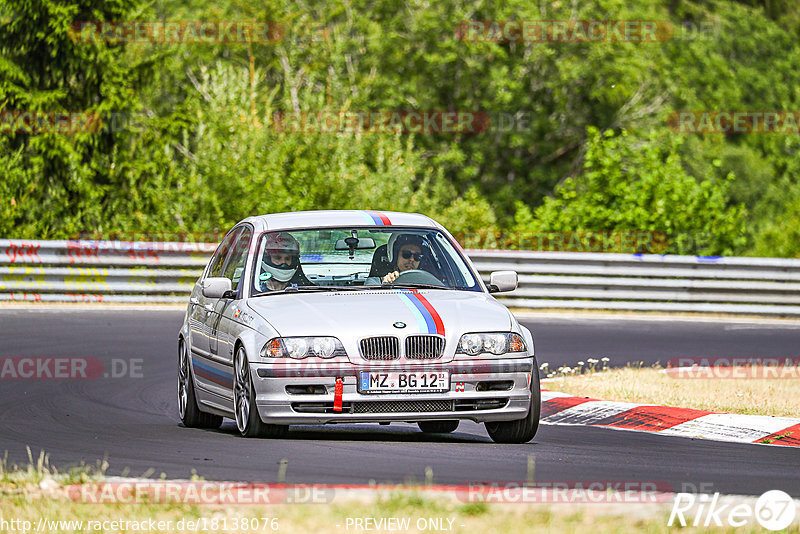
438	427
248	421
521	430
190	414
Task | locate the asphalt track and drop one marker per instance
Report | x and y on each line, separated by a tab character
132	421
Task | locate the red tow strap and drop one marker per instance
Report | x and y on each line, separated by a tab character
337	396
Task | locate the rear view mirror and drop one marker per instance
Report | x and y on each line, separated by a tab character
363	243
501	281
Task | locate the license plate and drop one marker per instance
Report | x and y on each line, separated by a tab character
404	382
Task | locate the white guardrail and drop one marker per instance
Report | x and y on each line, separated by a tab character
118	271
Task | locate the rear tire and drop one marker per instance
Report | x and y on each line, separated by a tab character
438	427
188	411
521	430
248	421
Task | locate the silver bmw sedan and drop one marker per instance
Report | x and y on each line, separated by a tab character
353	317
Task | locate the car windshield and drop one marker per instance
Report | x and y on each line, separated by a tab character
359	258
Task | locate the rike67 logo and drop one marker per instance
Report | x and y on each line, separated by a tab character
774	510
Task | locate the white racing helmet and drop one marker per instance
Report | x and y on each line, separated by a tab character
280	243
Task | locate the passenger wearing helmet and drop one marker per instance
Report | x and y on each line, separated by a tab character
405	254
280	265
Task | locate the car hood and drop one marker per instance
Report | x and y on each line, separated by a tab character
351	315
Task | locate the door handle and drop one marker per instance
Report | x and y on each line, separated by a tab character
208	307
194	301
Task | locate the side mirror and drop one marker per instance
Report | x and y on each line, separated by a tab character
215	288
500	281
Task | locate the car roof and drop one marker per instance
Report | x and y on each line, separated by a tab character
332	218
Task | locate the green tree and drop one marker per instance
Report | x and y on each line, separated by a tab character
57	183
780	236
206	154
630	184
237	163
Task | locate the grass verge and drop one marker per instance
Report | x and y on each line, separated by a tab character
400	511
36	498
654	385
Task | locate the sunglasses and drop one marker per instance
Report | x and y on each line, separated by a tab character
406	254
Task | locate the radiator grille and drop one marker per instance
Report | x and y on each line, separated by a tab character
380	348
424	347
403	406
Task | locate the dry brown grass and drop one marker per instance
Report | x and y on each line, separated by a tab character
753	396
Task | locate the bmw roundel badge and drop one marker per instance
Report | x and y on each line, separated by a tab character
399	324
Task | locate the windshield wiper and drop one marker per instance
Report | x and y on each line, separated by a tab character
308	289
295	289
327	288
414	286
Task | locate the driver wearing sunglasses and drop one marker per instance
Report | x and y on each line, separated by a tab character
407	256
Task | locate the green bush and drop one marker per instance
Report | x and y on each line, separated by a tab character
630	184
207	153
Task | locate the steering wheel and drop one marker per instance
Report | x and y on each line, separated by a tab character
418	276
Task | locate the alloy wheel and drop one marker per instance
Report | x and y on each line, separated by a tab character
183	380
241	390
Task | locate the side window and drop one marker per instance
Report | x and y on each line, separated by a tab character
237	258
219	256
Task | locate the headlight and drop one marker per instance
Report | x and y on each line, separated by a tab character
324	347
303	347
470	344
494	343
296	347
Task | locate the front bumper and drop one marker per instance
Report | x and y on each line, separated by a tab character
480	390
